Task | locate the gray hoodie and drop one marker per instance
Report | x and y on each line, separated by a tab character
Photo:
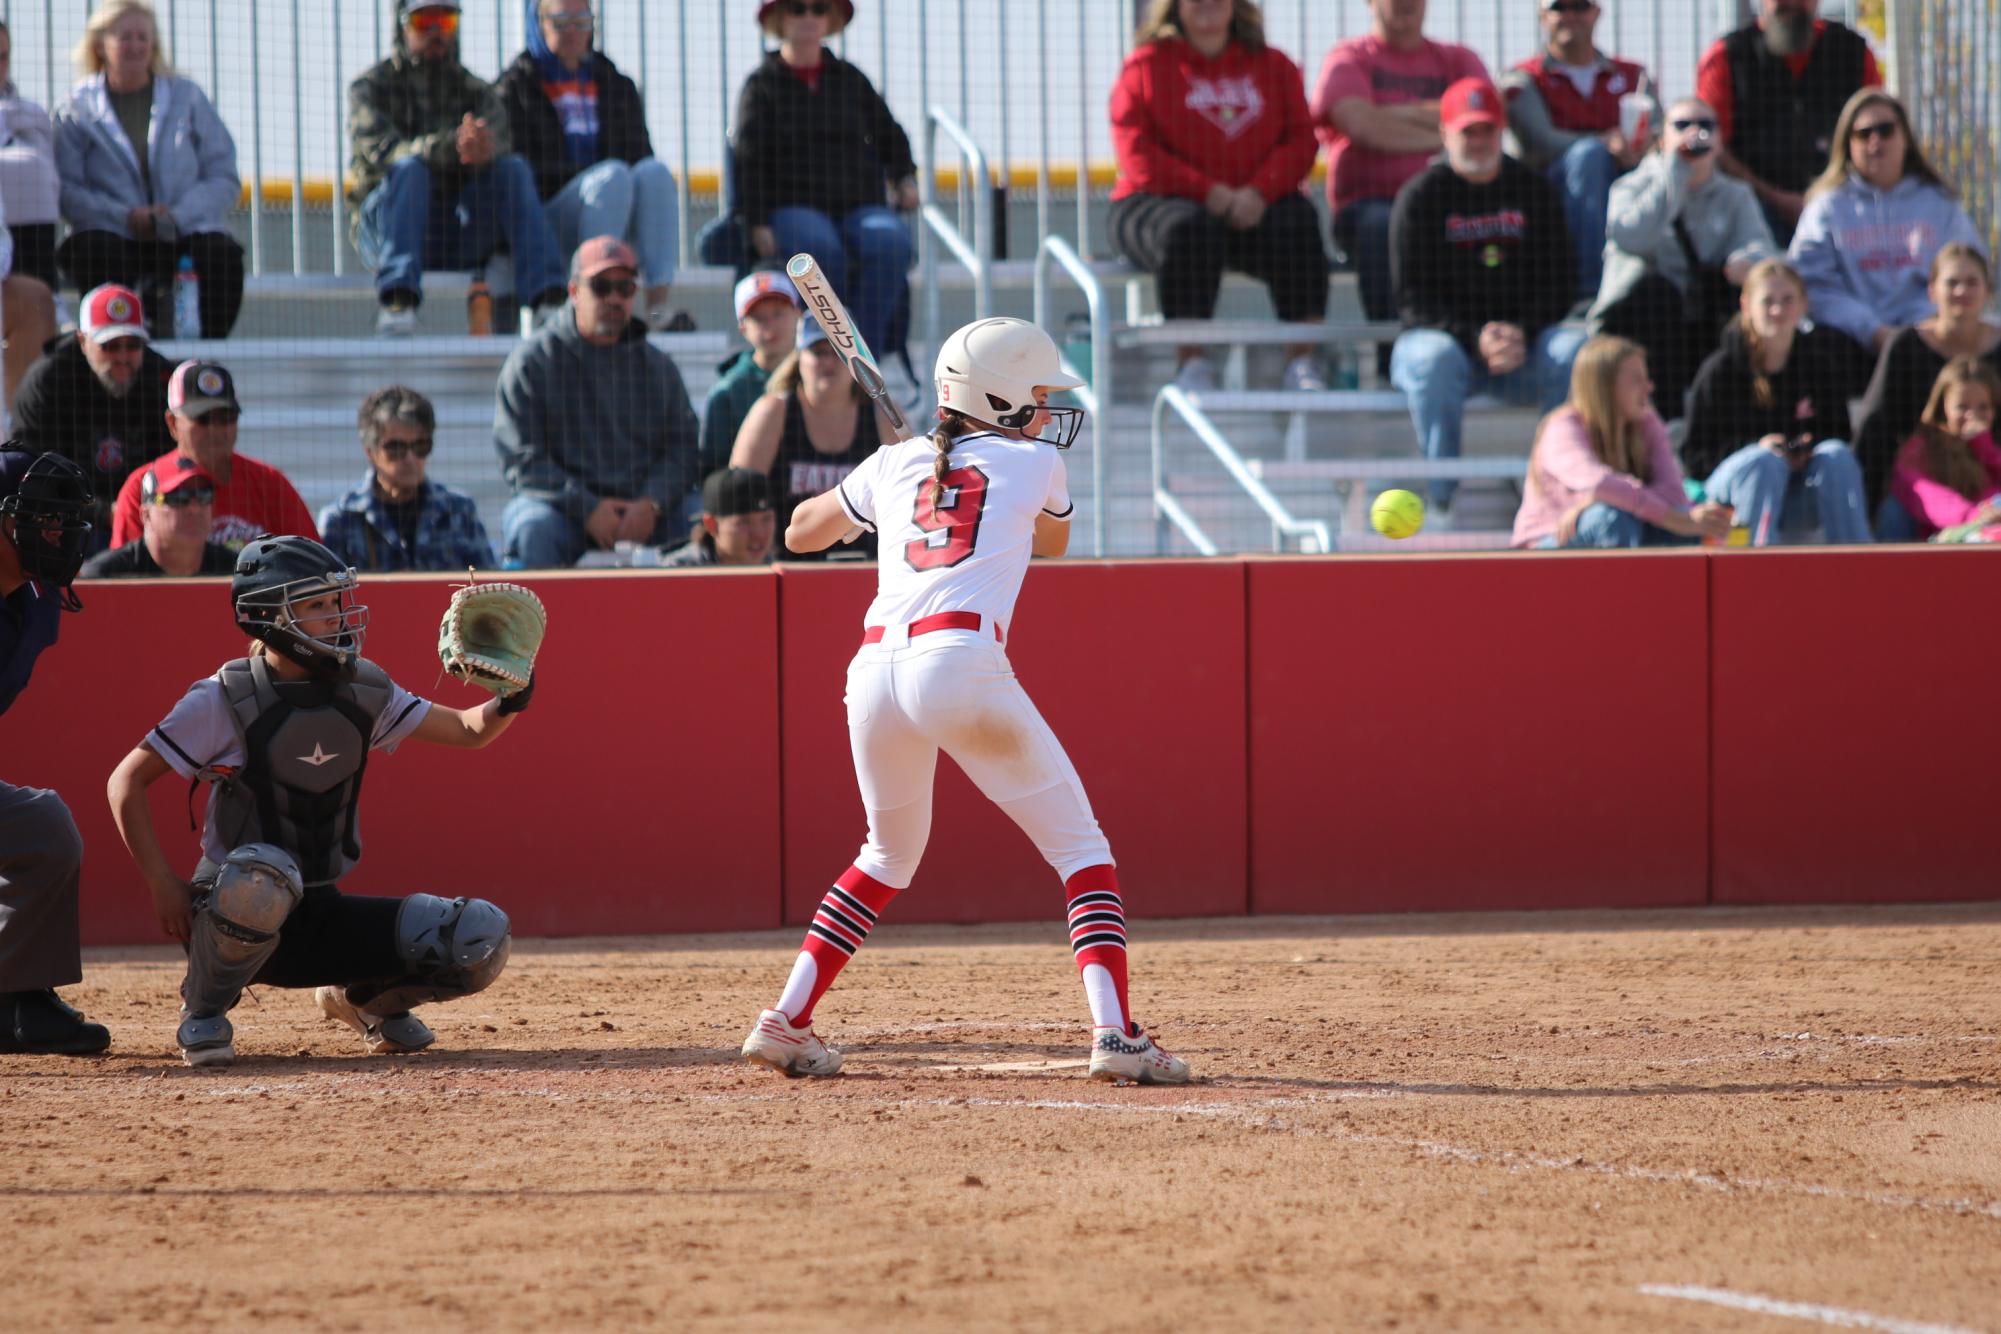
576	422
1723	220
1866	254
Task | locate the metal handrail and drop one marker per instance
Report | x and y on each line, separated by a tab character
1097	396
978	257
1283	524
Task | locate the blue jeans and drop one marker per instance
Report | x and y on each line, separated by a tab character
536	535
407	227
1605	527
1584	176
1778	502
1894	523
866	258
635	202
1437	377
1362	230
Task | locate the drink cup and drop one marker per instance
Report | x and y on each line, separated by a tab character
1636	111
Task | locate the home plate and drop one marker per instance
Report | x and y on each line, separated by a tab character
1016	1067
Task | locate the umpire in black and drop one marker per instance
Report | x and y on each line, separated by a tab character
45	501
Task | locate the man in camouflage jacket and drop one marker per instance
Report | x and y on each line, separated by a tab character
433	180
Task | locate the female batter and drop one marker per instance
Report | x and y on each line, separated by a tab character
957	515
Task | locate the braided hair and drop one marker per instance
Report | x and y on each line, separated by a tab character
951	425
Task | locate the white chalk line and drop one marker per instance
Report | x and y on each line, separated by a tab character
1838	1316
1261	1114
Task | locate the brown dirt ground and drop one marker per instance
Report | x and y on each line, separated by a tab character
1415	1122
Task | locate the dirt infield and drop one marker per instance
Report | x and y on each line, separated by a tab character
1692	1120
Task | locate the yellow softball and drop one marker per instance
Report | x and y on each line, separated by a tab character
1397	513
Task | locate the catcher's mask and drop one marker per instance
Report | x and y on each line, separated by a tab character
273	575
49	500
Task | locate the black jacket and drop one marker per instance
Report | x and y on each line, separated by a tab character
1808	397
1463	256
60	406
834	149
134	559
1894	403
1780	126
538	131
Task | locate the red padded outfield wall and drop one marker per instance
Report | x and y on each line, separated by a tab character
1478	732
1269	735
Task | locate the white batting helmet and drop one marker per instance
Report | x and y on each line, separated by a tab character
989	371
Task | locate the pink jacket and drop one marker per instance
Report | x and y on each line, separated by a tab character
1934	504
1564	471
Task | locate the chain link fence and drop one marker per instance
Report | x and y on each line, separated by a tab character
1944	58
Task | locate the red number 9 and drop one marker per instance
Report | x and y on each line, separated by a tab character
951	524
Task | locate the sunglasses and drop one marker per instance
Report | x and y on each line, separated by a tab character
1682	125
1881	130
220	417
186	496
570	22
798	9
602	286
396	450
1572	7
124	345
430	22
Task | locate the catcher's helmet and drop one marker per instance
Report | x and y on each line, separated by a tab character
49	499
273	573
989	371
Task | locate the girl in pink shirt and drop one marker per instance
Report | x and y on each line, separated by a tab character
1948	475
1602	472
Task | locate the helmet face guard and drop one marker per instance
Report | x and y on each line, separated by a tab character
51	526
272	615
273	576
1061	430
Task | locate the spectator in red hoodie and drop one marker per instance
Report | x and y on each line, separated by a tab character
1214	142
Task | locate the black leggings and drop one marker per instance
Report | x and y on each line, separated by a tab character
335	939
95	258
1187	249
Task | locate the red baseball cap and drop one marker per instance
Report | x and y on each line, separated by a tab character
1471	101
168	474
601	253
761	284
113	311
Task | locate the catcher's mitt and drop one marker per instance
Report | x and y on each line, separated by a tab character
490	635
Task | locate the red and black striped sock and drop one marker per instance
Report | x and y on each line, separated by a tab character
841	924
1098	937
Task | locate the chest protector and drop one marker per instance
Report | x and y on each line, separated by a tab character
305	749
1782	127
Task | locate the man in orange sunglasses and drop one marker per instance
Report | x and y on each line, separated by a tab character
432	180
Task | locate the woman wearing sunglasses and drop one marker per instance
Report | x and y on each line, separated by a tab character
398	519
817	152
581	126
1874	221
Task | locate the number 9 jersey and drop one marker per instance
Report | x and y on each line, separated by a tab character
964	550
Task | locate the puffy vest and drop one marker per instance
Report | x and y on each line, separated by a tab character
300	784
1781	127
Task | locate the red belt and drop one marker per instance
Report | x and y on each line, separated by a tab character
924	625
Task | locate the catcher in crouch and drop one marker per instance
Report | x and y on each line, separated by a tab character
283	737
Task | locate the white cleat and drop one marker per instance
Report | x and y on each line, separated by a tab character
1133	1058
792	1052
383	1036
